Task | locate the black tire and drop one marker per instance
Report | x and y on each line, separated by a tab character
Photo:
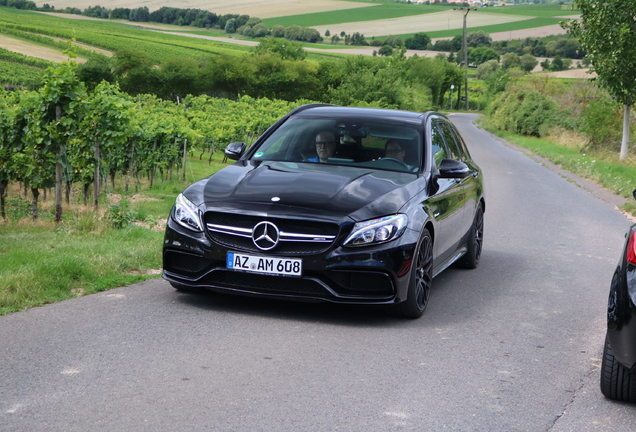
475	241
421	280
616	380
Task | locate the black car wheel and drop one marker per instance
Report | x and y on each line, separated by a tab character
475	241
616	380
421	280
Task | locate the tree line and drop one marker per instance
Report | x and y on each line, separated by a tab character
277	69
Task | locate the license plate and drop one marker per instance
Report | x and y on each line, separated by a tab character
264	265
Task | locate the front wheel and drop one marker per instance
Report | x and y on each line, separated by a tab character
616	380
421	280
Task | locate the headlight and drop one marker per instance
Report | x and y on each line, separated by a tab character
376	231
186	214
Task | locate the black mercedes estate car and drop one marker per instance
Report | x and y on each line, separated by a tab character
336	204
618	368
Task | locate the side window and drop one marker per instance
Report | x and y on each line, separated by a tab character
462	145
449	137
438	145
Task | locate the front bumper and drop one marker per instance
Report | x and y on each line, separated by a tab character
371	275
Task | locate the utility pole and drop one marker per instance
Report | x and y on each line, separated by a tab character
465	13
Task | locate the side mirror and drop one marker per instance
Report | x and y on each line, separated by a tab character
450	168
235	150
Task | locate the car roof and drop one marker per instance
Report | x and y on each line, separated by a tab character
384	115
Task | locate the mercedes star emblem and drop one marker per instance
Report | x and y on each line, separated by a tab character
265	235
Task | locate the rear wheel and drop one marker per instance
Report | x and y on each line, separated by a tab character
616	380
421	280
475	241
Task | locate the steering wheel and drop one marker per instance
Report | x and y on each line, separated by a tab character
397	161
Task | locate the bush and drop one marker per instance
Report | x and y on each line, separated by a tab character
485	69
527	113
121	215
603	123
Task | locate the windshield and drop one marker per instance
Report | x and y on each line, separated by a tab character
365	143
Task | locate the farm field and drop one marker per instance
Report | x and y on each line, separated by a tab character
427	23
504	23
371	19
257	8
32	50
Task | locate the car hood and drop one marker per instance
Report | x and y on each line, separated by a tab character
310	189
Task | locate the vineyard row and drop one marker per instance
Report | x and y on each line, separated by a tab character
63	135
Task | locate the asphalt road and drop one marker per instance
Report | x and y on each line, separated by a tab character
514	345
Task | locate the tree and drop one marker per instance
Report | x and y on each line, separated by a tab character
135	72
477	39
393	41
607	33
288	50
358	39
419	41
179	76
141	14
510	60
386	51
95	70
481	55
278	31
437	74
230	26
528	62
486	68
227	76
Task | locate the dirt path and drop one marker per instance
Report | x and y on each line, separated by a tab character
32	50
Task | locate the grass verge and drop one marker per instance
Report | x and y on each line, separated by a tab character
43	262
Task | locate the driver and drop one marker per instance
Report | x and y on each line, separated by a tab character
393	149
325	146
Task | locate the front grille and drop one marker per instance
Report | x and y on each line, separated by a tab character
297	237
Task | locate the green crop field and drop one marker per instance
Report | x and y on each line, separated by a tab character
537	10
110	35
499	28
373	12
